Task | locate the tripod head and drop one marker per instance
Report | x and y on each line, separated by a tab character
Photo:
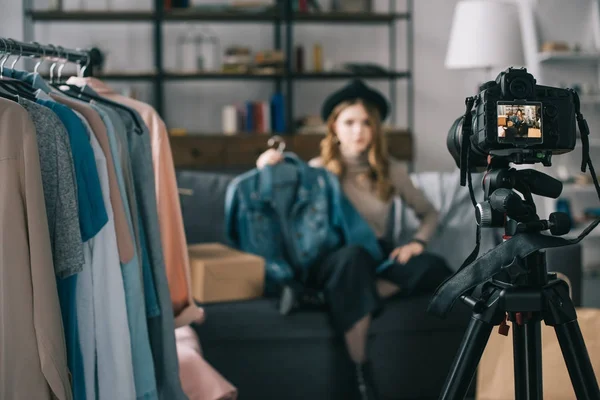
503	207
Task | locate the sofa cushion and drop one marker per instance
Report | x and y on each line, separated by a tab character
259	319
299	356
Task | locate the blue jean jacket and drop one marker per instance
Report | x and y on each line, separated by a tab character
292	215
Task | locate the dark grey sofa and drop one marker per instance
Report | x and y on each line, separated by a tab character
267	356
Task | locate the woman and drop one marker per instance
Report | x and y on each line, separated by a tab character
354	149
521	124
519	119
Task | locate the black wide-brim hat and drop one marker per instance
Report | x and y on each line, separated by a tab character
355	90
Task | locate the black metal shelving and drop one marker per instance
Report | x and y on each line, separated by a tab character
215	16
175	76
281	16
89	16
221	16
349	75
341	17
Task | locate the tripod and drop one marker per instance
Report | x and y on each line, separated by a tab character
524	293
529	295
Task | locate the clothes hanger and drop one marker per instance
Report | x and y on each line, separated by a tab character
12	86
24	86
77	92
7	91
276	139
60	68
4	93
41	59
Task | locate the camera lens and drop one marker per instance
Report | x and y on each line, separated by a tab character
520	88
454	144
454	138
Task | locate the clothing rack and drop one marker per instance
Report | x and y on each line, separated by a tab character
84	58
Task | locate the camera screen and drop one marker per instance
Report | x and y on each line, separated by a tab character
520	122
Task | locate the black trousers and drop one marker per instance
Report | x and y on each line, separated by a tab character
348	281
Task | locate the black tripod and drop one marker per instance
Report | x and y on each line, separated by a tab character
542	297
524	293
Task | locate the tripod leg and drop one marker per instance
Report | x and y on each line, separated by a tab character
466	360
577	360
527	355
562	316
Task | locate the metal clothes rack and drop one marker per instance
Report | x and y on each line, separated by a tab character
56	53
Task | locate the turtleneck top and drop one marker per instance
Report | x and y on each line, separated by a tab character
376	212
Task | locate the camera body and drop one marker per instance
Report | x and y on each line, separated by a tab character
548	115
517	119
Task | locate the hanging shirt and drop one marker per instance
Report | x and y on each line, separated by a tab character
60	191
143	364
120	154
85	174
161	329
33	362
108	352
133	198
92	213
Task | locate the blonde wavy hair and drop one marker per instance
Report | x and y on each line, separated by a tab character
378	158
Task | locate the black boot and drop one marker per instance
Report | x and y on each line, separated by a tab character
365	382
288	300
294	297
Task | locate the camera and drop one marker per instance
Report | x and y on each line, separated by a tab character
515	118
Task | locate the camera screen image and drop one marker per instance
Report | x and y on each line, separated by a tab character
519	122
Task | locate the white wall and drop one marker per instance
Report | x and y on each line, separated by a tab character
439	93
11	18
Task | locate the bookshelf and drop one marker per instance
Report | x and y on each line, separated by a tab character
281	16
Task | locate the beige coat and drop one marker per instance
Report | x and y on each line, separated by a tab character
33	359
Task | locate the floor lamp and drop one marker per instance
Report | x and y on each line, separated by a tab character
485	35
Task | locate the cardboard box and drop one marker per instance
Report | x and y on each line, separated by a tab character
220	273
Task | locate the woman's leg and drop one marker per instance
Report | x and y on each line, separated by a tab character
347	278
421	274
386	288
356	340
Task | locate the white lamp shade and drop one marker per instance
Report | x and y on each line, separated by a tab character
485	34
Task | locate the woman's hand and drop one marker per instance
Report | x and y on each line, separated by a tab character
404	253
269	157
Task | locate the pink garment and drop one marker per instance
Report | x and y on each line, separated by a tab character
200	381
170	219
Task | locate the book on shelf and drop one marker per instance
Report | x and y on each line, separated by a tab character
264	117
304	6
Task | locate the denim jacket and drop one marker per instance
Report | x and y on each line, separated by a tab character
292	215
